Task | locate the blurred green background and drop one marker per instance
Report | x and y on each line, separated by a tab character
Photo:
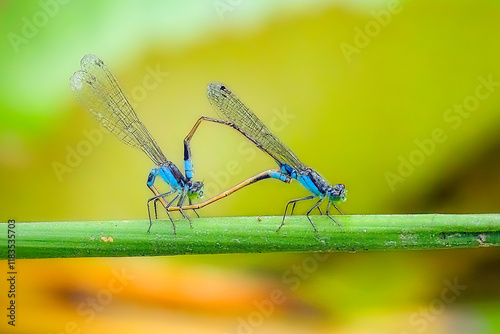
400	101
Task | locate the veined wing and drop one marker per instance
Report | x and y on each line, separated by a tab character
97	90
230	108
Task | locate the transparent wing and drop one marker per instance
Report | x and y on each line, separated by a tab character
98	91
230	108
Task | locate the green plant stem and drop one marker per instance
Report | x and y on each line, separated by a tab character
250	235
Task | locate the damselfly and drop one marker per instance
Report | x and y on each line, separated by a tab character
238	116
97	90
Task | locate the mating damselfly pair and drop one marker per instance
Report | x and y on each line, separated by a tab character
97	90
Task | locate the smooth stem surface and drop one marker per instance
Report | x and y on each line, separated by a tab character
250	235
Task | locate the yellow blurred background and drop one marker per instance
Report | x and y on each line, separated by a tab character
399	100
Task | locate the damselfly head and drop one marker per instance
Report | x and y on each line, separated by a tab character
195	190
337	194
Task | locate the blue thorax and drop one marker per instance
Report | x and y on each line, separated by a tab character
170	174
310	179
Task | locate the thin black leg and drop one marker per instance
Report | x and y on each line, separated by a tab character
155	199
190	203
293	201
310	210
336	207
179	204
168	205
328	215
320	212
